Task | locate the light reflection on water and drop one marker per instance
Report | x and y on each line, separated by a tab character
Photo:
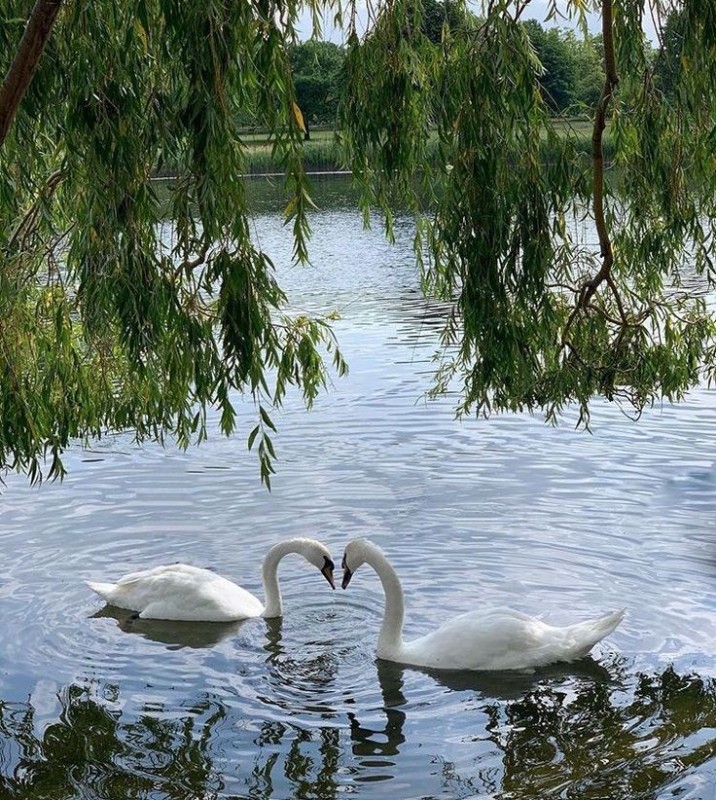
505	511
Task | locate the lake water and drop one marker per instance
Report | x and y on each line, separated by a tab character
506	511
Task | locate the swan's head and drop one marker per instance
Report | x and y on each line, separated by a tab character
356	553
317	554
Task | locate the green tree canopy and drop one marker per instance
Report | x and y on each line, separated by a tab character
589	71
542	319
559	77
440	15
317	67
112	319
573	76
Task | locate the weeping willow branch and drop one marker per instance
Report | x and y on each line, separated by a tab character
611	80
26	225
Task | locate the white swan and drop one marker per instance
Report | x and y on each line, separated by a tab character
183	592
479	640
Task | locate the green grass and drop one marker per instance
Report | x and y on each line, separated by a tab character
321	153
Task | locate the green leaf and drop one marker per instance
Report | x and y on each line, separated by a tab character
266	419
252	437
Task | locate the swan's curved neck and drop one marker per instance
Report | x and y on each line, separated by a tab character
390	640
269	571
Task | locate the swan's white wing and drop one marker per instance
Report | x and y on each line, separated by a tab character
181	592
488	640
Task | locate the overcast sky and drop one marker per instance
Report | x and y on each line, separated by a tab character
537	9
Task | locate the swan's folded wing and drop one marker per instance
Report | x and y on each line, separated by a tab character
208	597
484	640
183	592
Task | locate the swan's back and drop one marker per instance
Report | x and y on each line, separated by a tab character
504	639
180	592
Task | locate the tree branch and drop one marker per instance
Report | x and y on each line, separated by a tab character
25	62
26	224
600	120
611	80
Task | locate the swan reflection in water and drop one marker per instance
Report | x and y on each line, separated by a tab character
176	635
302	677
500	687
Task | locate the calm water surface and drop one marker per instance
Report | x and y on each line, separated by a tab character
507	511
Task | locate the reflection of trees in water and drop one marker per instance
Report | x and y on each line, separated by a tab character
306	760
291	760
556	736
593	742
89	751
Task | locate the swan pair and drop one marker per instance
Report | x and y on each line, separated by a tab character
499	639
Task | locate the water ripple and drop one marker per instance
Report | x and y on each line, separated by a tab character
506	511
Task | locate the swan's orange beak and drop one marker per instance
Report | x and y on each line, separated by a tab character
327	573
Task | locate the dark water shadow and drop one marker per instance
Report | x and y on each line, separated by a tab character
512	684
300	680
508	686
498	684
175	634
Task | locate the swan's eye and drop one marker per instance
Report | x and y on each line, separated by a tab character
328	564
343	563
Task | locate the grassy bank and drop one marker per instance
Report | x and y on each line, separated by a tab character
322	153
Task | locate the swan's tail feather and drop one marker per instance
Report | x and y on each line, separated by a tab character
103	589
584	635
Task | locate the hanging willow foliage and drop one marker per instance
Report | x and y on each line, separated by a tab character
104	326
541	319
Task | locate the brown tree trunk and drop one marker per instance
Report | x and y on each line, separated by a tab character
600	120
25	62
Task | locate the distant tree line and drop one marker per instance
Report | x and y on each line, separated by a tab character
571	81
